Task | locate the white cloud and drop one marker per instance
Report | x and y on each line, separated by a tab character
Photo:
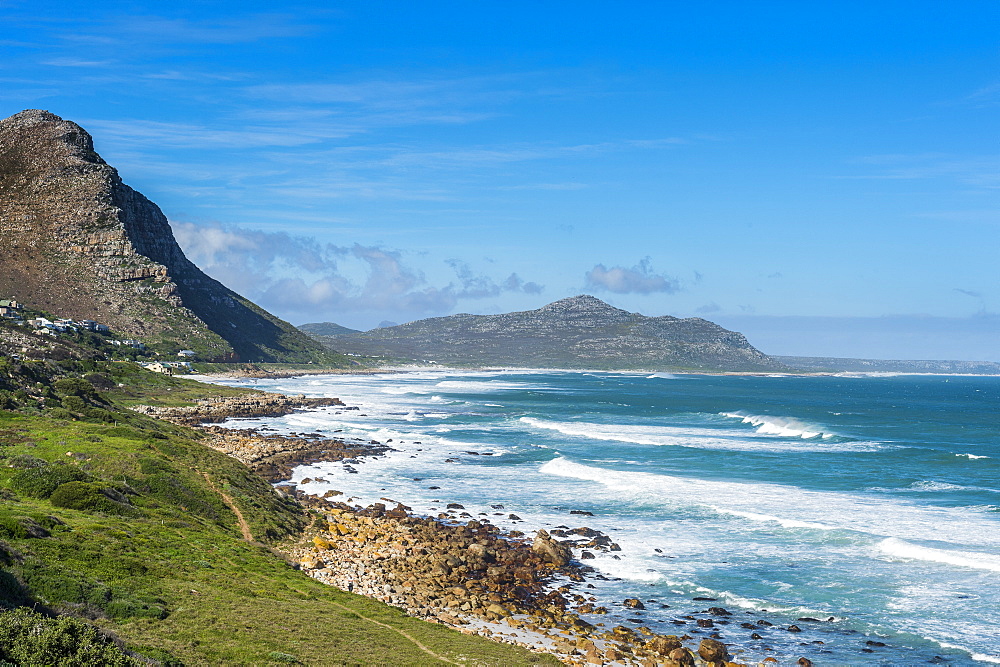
298	278
639	279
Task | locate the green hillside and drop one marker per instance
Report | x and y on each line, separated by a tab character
132	526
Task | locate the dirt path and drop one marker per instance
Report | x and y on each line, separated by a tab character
248	536
402	632
226	498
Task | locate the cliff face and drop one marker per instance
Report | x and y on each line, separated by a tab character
78	242
579	332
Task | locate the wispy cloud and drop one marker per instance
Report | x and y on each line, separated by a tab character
184	135
298	277
151	29
76	62
981	171
639	279
987	95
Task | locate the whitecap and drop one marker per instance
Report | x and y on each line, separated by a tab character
790	506
980	657
930	485
476	387
788	427
693	436
902	549
766	518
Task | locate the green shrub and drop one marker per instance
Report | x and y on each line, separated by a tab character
29	638
61	413
11	528
100	415
85	497
41	482
75	387
74	404
150	466
164	486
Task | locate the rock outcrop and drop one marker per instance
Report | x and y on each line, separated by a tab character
474	577
245	406
80	243
578	332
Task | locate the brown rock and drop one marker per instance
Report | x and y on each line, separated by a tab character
713	650
663	644
682	657
552	551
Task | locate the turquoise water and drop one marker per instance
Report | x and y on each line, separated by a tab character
871	501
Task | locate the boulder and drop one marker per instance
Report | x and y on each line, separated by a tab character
552	551
663	644
682	657
712	650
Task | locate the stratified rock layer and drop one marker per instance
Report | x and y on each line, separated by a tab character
80	243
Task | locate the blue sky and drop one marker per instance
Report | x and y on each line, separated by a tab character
822	178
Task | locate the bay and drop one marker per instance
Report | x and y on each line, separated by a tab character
870	503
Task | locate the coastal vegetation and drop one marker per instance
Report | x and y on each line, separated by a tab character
132	542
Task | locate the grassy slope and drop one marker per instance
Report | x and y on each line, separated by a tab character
168	571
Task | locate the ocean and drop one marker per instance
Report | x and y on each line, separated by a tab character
868	503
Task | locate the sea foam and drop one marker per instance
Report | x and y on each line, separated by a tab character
788	427
897	548
790	506
694	436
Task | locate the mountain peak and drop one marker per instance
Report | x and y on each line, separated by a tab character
580	302
42	130
80	243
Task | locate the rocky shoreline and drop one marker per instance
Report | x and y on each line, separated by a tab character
254	371
255	404
453	569
470	575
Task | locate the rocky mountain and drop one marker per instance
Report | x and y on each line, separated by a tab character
578	332
326	329
79	243
846	365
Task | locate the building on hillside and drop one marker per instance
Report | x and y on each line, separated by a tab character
186	353
96	327
47	326
179	365
157	367
10	308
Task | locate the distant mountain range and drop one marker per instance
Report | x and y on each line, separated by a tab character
578	332
79	243
835	364
326	329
